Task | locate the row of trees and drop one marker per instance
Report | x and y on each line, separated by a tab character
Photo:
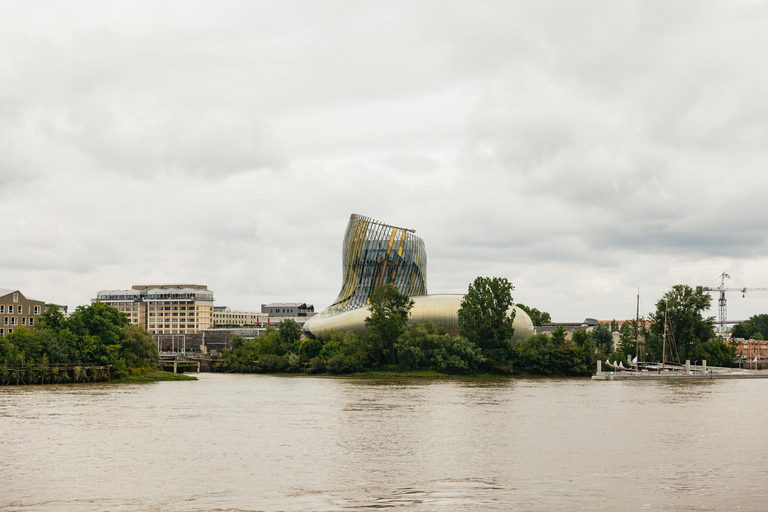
93	336
483	344
390	343
756	328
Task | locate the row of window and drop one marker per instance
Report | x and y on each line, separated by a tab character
168	326
174	308
19	309
163	302
14	320
5	331
172	314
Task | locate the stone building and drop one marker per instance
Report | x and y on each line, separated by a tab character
16	310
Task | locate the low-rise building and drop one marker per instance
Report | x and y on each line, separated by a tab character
223	316
16	310
288	309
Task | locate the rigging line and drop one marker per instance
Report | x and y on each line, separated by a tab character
748	281
715	280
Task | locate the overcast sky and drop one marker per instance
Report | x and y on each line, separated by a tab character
579	149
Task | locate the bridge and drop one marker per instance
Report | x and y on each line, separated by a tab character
177	362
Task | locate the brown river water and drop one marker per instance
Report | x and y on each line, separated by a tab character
253	442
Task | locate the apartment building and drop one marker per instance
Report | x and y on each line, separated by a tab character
16	310
164	309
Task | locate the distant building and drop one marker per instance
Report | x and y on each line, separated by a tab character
750	349
288	309
550	327
16	310
64	310
225	317
164	309
588	325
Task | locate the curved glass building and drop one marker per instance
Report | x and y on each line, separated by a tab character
375	253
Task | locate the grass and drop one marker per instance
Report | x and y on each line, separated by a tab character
423	374
154	376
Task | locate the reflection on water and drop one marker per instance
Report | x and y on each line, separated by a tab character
251	442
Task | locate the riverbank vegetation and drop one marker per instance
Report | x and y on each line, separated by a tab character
391	347
95	344
153	376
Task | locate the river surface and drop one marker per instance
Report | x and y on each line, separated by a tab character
253	442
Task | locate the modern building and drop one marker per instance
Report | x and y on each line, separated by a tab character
288	309
164	309
16	310
374	253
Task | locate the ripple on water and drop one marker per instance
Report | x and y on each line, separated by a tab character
249	442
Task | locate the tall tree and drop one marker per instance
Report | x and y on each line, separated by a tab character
603	338
688	331
390	310
485	319
137	347
289	331
537	317
99	320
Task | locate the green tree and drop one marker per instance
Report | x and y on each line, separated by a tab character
99	320
559	336
52	318
289	332
627	344
485	319
688	331
236	342
603	339
26	344
755	325
137	347
537	317
390	310
309	349
581	337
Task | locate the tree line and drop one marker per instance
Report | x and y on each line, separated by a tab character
96	342
483	344
390	344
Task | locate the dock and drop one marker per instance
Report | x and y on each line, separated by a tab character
170	361
679	372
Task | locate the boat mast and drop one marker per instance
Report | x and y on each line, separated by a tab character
664	338
637	330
